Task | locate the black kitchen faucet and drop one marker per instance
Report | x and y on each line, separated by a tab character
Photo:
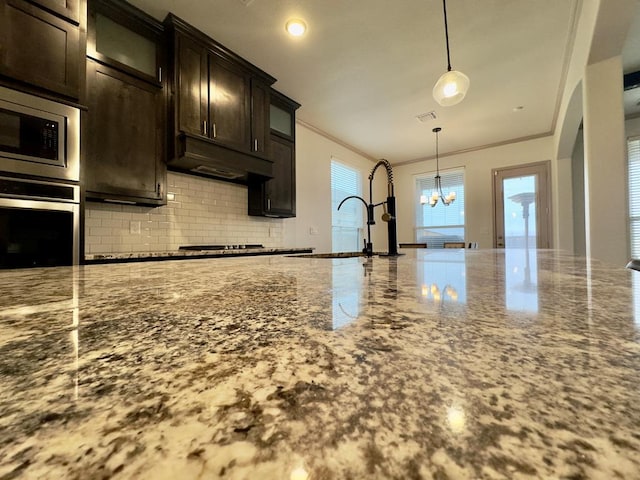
388	216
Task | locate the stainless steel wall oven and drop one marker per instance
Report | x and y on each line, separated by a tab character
39	181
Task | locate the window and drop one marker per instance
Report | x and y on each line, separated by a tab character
442	223
633	145
346	223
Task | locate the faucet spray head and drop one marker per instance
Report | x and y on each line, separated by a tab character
386	217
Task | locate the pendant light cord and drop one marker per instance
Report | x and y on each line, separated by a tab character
446	34
437	162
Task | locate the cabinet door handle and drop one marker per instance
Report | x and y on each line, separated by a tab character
268	204
214	130
255	145
160	74
204	127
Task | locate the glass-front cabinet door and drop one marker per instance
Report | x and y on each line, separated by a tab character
124	41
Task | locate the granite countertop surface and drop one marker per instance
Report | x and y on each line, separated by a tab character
191	253
438	364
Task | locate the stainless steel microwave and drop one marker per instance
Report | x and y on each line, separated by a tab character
38	137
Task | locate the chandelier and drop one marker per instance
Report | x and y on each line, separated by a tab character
437	193
452	86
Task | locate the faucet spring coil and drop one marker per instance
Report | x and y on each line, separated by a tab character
384	162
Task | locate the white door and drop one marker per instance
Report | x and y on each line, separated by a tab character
522	214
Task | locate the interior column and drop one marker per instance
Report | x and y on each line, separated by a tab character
605	162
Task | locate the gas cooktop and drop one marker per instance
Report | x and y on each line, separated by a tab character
220	247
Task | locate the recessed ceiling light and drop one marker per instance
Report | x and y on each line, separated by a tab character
296	27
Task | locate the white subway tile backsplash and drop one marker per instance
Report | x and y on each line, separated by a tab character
204	211
112	222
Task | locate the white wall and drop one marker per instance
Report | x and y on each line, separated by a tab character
313	205
478	185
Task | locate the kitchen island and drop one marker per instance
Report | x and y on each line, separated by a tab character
438	364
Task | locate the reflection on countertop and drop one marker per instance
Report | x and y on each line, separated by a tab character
277	367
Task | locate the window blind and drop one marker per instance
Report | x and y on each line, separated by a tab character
345	181
633	147
442	223
349	220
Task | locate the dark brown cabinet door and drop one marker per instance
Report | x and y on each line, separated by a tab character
125	133
69	9
229	104
260	100
40	48
276	197
280	192
192	88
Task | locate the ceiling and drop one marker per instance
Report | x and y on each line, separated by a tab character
366	68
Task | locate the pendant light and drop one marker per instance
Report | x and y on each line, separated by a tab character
452	86
437	192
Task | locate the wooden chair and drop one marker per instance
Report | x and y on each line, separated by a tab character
453	244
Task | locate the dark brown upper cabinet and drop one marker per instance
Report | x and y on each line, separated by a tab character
69	9
219	108
276	197
219	97
125	124
42	45
214	97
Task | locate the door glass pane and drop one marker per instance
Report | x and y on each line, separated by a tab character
520	212
125	46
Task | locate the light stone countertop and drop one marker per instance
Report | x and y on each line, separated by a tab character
190	254
438	364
